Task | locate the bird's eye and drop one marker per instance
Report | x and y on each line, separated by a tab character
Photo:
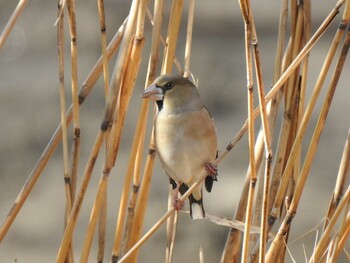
168	85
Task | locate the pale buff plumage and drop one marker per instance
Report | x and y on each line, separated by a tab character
185	136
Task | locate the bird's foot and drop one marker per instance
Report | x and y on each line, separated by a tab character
177	203
212	170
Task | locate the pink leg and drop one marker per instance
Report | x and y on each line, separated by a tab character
212	170
177	203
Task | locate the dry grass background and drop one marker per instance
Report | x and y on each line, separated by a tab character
29	113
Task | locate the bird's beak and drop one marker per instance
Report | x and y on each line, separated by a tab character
153	92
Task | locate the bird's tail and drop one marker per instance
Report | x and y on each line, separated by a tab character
196	208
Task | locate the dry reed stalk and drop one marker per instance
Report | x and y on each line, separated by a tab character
343	234
120	69
167	65
267	140
170	250
135	162
102	230
67	176
278	240
60	47
249	69
124	99
142	201
12	21
275	102
172	35
343	174
324	240
265	131
231	250
98	68
290	69
56	137
99	201
141	205
305	66
191	8
301	131
173	220
126	187
290	116
332	247
101	13
335	199
116	106
135	150
74	86
133	57
130	222
103	211
72	220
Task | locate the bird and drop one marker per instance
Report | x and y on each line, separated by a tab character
185	138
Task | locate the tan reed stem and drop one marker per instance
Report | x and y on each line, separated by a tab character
250	85
301	131
136	159
12	21
130	61
231	250
191	8
278	240
74	84
343	174
105	127
66	240
170	257
170	227
324	240
56	137
60	45
141	204
67	178
343	237
267	141
101	12
167	65
102	225
173	32
125	95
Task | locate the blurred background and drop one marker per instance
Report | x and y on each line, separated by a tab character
29	114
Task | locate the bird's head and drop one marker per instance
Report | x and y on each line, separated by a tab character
173	92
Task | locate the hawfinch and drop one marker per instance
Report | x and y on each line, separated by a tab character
185	138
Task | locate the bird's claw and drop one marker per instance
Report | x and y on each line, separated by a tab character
212	170
177	203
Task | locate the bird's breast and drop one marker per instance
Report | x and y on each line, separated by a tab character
185	142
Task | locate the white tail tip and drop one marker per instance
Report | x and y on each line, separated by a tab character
197	211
